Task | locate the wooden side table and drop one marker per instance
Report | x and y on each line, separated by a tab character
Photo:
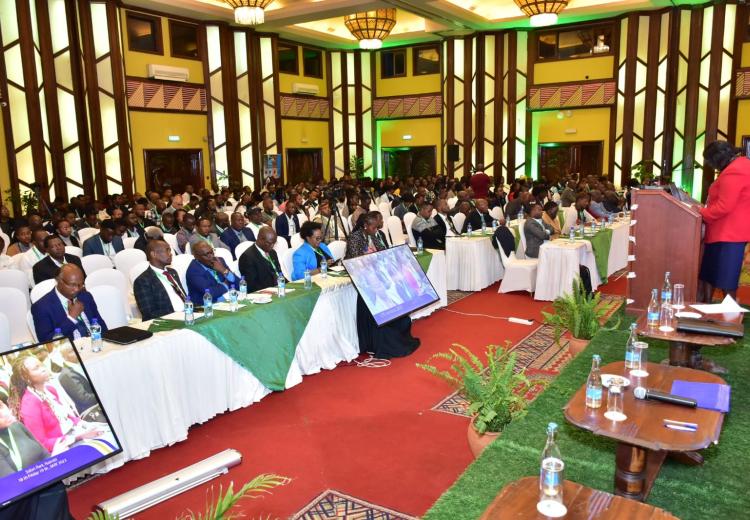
517	501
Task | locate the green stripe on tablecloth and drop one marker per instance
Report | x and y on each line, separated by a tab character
424	258
260	338
601	244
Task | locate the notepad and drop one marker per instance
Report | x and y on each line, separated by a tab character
711	396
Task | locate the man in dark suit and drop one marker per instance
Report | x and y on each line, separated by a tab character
426	228
444	220
105	243
480	214
65	231
536	231
259	264
236	233
67	307
47	267
158	290
74	381
208	272
287	224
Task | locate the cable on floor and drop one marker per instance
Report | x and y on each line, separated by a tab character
512	319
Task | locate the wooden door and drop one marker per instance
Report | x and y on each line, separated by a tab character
173	169
416	161
556	160
304	165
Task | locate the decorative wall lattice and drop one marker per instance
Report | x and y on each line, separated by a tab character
742	84
158	95
305	107
573	95
408	106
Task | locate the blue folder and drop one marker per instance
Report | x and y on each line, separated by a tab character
711	396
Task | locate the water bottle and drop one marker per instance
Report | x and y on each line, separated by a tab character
469	231
551	475
580	230
420	246
572	233
208	304
611	219
281	285
494	225
233	295
484	226
631	356
520	216
666	290
324	268
243	289
57	335
594	384
308	280
189	312
96	336
652	313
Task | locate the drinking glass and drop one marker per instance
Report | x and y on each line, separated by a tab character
678	296
615	404
640	362
666	318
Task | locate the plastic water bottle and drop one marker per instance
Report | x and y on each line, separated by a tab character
631	356
57	335
233	295
243	289
469	231
96	336
420	246
594	384
572	233
551	475
494	225
208	304
652	313
520	216
666	290
281	285
484	226
324	268
308	280
580	230
189	312
611	218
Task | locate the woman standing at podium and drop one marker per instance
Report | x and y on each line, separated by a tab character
727	218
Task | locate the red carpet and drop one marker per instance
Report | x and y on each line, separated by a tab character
365	432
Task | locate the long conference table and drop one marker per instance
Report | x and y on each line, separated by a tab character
155	390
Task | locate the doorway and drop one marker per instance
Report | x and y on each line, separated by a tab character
173	169
304	165
556	160
415	161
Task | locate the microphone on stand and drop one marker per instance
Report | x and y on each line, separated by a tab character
655	395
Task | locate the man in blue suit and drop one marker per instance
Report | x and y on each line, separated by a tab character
208	272
105	243
287	224
237	233
67	307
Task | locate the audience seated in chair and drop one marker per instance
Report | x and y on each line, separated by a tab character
536	231
207	272
259	264
158	290
311	253
287	224
105	242
237	233
49	266
425	227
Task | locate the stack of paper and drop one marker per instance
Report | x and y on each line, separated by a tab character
728	306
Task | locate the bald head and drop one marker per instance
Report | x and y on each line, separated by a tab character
70	281
266	238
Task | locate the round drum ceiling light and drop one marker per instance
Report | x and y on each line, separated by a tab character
541	12
249	12
371	27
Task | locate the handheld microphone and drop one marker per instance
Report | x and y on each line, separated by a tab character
655	395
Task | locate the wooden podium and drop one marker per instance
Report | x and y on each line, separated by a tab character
667	238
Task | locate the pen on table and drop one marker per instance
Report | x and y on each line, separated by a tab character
684	427
681	423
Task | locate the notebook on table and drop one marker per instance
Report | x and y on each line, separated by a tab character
711	396
710	327
126	335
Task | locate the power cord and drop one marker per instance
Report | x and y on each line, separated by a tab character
373	362
512	319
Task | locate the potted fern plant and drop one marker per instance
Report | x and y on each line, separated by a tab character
579	314
495	391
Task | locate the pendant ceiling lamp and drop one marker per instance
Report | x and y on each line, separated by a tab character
249	12
541	12
371	27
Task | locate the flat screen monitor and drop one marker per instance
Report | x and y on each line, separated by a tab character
391	283
52	423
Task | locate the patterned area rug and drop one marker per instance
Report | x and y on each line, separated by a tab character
454	296
332	504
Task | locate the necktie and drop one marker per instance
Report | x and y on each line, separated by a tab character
174	284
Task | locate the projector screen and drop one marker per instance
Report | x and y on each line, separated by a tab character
391	283
52	424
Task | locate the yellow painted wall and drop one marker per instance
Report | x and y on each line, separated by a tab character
424	132
590	124
149	130
743	120
409	84
287	80
4	169
745	55
297	133
574	70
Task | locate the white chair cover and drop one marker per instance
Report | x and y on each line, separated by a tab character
126	259
302	218
280	246
338	249
452	202
180	264
409	219
136	271
5	343
570	215
6	240
520	275
286	259
30	326
41	289
73	250
395	230
297	240
86	233
521	251
385	209
93	263
170	239
129	242
458	221
14	304
113	278
220	252
17	279
496	213
241	248
110	305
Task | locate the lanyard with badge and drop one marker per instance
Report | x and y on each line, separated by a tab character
15	453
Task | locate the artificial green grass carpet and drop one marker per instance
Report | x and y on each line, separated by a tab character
718	489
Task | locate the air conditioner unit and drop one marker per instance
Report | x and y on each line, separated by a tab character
167	73
305	89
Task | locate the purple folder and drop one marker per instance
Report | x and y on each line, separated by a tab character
711	396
